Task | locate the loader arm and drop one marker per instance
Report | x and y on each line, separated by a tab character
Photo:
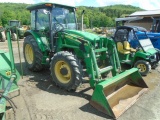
9	76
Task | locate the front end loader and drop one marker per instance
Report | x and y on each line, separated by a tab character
53	39
9	76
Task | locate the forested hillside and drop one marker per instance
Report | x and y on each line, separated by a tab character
94	16
13	11
105	16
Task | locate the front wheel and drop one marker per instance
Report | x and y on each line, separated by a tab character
66	70
14	36
143	66
32	54
3	39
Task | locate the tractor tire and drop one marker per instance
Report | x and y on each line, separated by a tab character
32	54
143	66
66	70
14	36
3	39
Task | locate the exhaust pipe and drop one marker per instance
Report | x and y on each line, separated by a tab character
82	18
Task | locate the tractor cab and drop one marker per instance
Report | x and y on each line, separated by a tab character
48	19
156	25
52	17
14	23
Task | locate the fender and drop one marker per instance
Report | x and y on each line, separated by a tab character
141	55
42	43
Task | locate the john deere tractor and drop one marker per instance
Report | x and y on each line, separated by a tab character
55	40
20	30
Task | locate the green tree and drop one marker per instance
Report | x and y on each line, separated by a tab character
7	15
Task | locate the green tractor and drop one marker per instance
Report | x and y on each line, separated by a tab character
55	40
20	30
9	76
144	56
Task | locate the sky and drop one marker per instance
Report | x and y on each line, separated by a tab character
144	4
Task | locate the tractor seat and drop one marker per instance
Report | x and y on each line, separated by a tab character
120	48
128	47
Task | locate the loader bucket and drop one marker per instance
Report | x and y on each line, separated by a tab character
115	95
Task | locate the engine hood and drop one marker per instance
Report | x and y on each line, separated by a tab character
151	51
85	35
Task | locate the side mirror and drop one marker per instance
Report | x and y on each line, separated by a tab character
45	11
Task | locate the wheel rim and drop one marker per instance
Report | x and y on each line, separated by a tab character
29	54
62	77
142	67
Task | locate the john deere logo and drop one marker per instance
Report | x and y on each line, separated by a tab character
8	73
70	37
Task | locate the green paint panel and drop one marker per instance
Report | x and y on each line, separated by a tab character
152	51
5	72
4	61
85	35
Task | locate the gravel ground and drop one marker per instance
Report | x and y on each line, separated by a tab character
40	99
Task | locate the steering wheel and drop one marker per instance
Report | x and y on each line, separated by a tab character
57	27
138	48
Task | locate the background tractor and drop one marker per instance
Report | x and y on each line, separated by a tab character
55	40
20	29
135	48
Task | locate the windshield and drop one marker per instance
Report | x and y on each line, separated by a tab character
144	41
14	23
65	16
146	44
42	21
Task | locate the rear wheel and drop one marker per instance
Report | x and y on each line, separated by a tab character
66	70
143	66
32	54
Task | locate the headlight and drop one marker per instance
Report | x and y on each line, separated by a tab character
153	56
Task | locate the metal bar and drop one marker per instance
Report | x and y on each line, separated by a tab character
95	63
103	70
10	51
19	54
117	59
101	50
70	46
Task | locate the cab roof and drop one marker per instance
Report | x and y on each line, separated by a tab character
44	5
129	27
